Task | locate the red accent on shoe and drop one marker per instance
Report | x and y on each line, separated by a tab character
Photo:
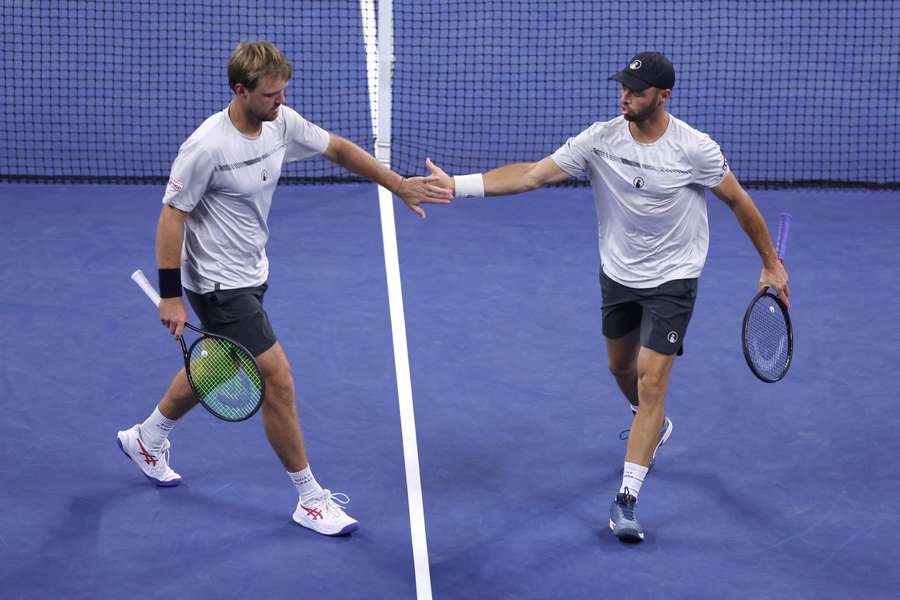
313	512
148	458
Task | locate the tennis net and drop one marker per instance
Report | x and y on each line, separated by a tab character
796	92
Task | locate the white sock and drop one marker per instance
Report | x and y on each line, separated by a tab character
155	429
632	478
305	483
633	409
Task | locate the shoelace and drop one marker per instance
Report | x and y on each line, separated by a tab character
160	453
628	507
332	502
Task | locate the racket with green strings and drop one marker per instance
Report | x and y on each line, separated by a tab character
225	377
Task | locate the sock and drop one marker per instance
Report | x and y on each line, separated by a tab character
633	409
633	478
305	483
155	429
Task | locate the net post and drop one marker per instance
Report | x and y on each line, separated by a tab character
385	80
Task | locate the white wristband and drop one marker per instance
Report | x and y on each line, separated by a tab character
469	186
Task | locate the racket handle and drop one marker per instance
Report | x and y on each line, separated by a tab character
139	278
784	228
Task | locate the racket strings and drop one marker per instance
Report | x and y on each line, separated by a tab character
225	377
767	338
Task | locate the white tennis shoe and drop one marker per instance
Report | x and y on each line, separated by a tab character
153	464
323	512
664	433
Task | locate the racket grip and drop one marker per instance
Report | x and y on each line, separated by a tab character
784	228
139	278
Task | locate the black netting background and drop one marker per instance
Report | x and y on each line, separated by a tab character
796	92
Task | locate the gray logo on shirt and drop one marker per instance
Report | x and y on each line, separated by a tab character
638	182
265	175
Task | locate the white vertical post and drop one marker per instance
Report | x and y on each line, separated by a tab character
385	79
370	38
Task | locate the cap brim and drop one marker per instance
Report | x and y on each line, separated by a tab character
630	81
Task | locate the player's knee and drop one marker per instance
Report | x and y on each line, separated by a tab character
622	370
652	385
281	384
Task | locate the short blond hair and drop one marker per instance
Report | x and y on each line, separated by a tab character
251	61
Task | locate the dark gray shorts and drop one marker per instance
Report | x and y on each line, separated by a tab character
661	312
237	314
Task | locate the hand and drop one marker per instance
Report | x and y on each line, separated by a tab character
443	180
418	190
173	315
776	278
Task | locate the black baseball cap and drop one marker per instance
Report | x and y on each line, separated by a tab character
647	69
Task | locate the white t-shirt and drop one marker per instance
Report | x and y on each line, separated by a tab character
650	198
225	181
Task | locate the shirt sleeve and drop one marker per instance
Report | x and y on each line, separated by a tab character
189	177
572	157
710	166
303	139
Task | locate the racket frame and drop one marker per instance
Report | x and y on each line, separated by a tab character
141	280
790	336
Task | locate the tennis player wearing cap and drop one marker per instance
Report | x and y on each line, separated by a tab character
211	240
649	172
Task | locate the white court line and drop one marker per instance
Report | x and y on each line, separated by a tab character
378	42
404	392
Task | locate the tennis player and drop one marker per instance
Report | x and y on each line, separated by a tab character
649	172
211	240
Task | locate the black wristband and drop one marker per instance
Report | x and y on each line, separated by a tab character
170	283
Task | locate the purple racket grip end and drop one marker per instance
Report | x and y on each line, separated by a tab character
784	229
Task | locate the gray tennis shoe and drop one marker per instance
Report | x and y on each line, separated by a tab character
622	520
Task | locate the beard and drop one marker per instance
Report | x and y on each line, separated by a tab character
644	114
265	116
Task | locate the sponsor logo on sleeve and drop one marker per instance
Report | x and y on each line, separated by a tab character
639	182
175	185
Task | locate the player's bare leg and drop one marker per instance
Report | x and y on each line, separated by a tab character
653	369
622	354
279	409
317	508
647	434
179	397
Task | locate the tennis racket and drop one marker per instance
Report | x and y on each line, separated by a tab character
223	374
767	336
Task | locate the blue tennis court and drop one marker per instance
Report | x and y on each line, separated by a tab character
764	491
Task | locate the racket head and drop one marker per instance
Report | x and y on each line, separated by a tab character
225	377
767	337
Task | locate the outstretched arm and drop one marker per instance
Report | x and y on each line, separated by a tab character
751	221
412	190
508	179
